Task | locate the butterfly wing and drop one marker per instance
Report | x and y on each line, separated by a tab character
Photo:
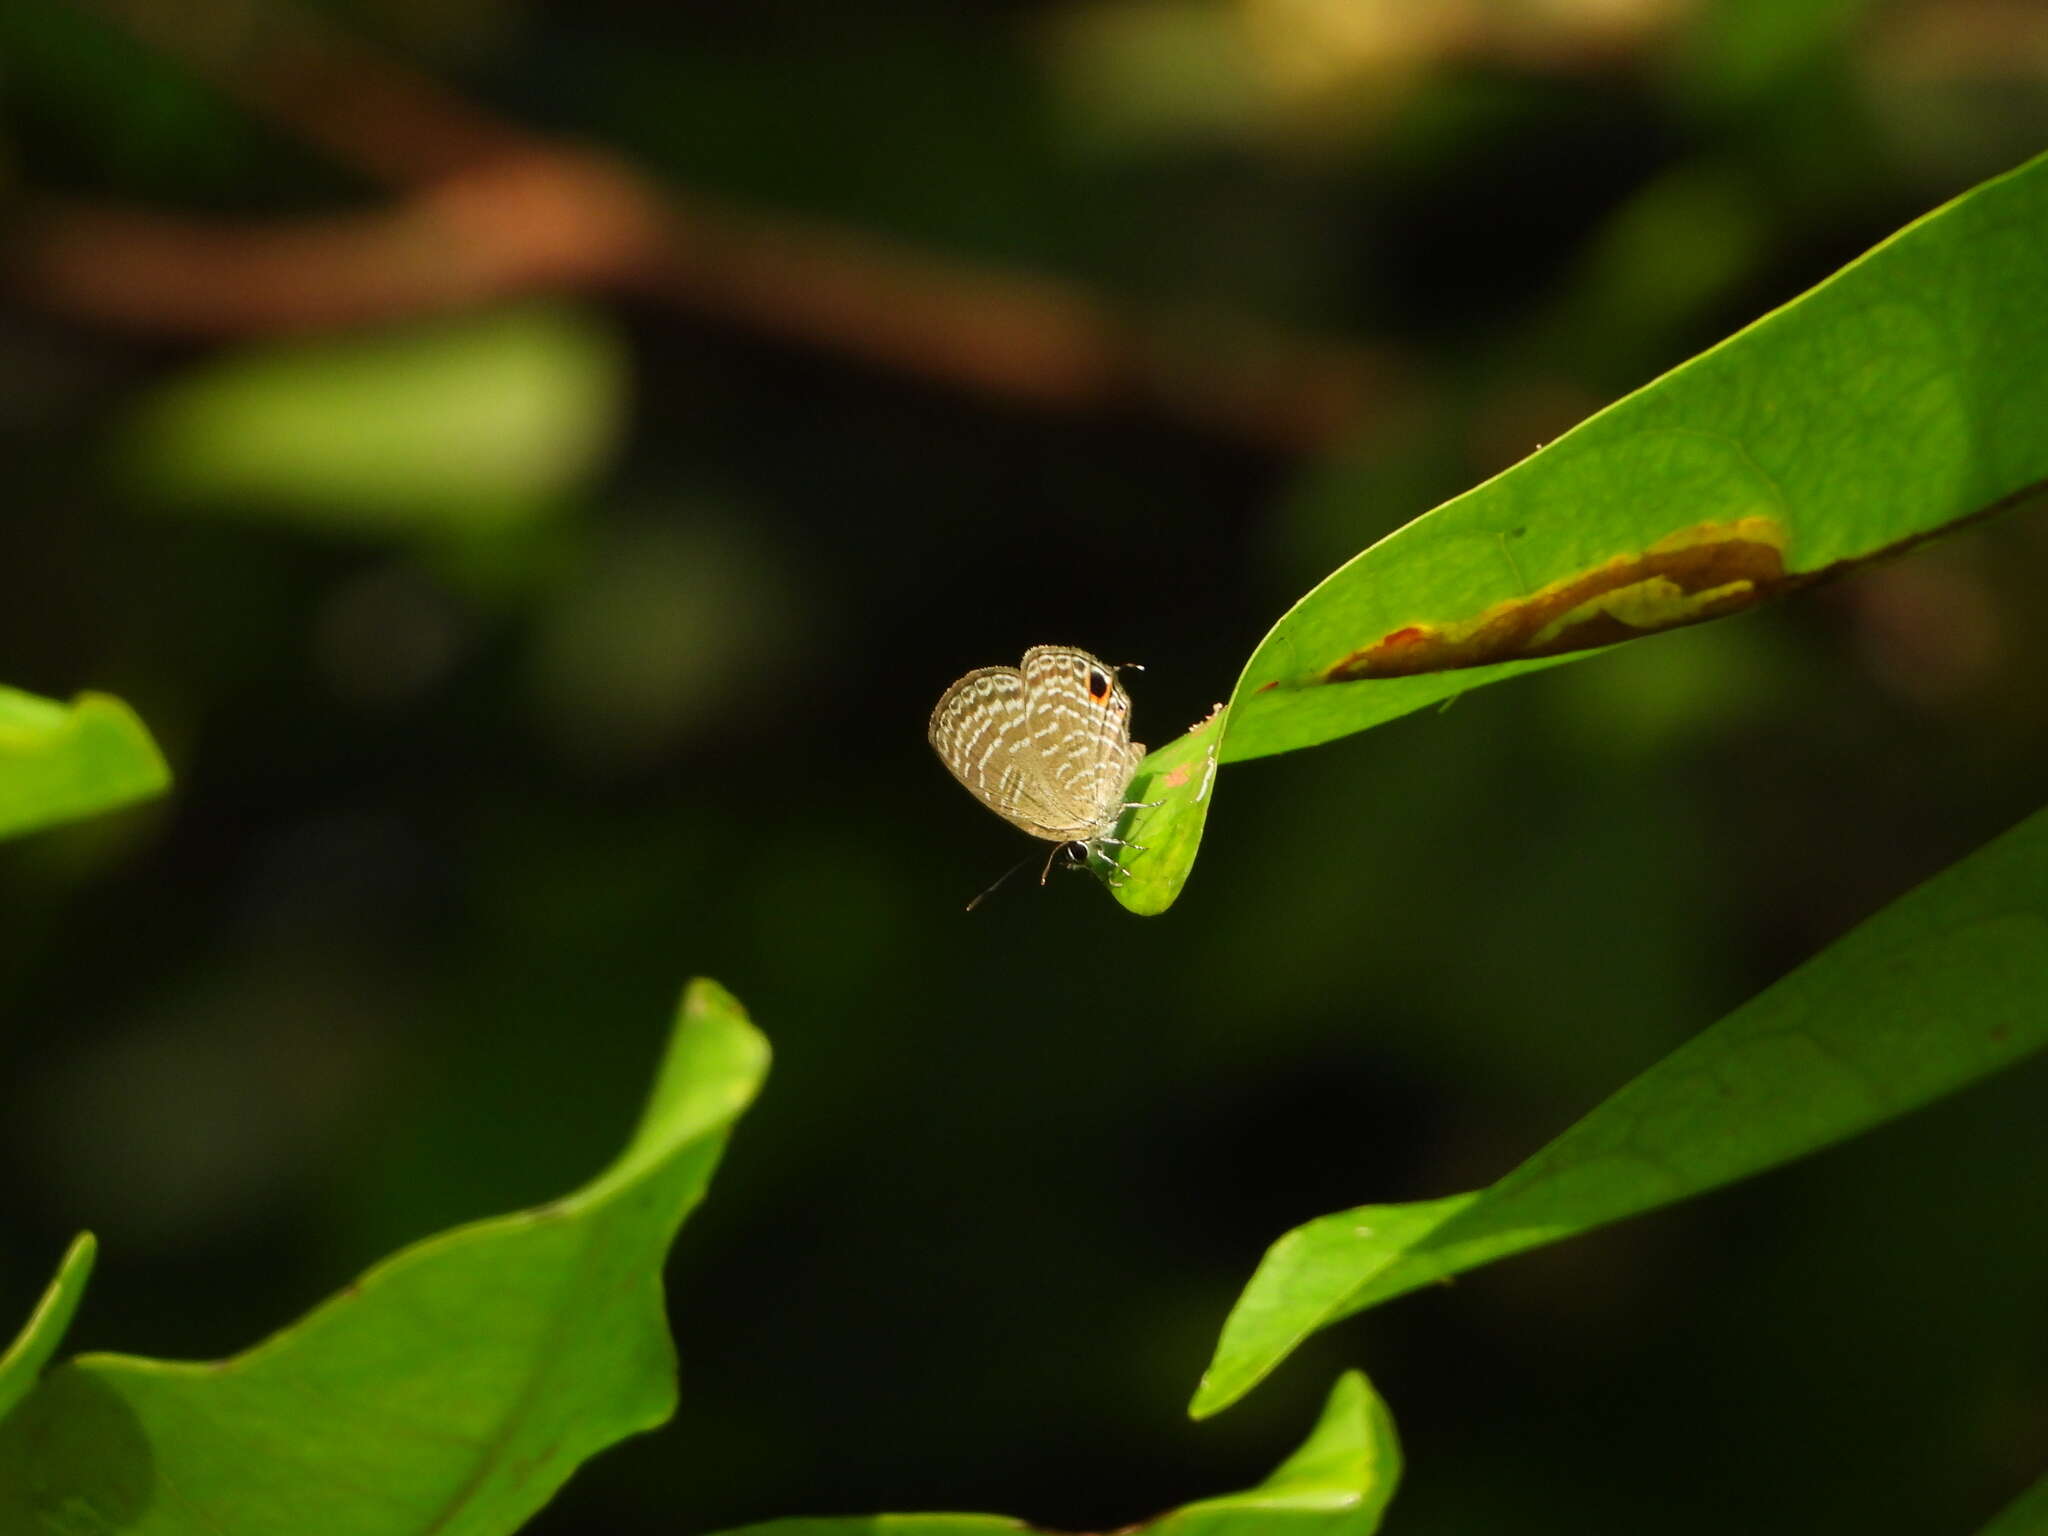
979	732
1080	718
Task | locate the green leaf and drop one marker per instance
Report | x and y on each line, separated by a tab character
1338	1483
2026	1515
466	425
44	1330
1899	397
452	1389
60	762
1941	988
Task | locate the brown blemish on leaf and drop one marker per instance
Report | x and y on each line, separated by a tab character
1687	577
1175	779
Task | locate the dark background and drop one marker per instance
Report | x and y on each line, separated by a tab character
468	784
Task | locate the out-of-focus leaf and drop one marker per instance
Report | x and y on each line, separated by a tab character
455	426
452	1389
1136	74
1946	985
1896	399
59	762
44	1330
1735	52
2026	1515
1338	1483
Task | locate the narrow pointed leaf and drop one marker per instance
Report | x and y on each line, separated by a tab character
44	1330
451	1390
1338	1483
59	762
1903	395
1945	986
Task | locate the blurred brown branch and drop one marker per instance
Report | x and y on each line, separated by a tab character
483	209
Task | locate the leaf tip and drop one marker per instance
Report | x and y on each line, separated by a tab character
119	713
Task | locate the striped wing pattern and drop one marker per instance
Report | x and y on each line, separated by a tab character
1046	746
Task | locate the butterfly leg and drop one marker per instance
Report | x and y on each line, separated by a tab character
1045	874
1129	805
1114	874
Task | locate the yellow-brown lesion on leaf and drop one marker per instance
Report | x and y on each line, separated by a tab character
1687	577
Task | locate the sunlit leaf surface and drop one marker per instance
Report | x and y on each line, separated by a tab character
59	762
1899	397
452	1389
1943	987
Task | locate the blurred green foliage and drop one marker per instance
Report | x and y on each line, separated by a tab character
454	816
58	763
451	429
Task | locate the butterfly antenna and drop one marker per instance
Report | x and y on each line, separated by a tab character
984	896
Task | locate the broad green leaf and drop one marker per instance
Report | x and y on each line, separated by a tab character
1946	985
44	1330
1338	1483
465	425
59	762
2026	1515
451	1390
1901	396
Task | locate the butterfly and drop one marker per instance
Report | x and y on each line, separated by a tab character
1046	746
